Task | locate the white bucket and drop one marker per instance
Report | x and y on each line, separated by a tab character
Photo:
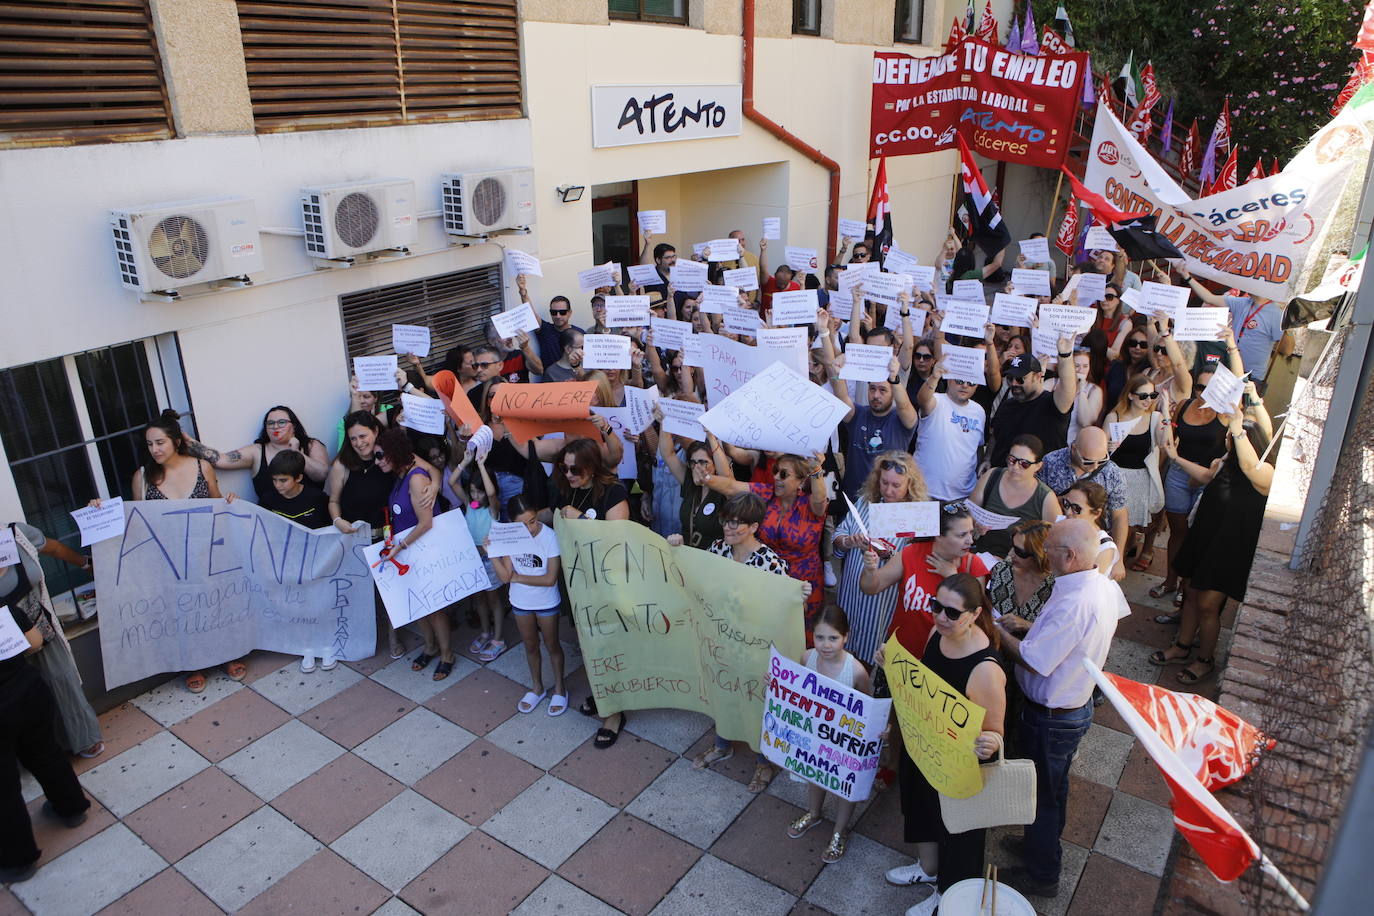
963	897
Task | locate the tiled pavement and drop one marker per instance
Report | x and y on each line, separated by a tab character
371	789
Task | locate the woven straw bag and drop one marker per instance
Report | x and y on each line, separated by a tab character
1008	797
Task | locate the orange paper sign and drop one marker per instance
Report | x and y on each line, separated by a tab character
530	411
458	407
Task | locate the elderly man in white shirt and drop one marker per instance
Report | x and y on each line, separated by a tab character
1077	622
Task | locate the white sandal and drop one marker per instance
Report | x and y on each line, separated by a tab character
531	700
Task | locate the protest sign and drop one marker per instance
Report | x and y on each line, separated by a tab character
866	363
923	278
939	724
375	373
1044	342
1117	432
9	550
795	307
618	418
728	364
778	410
992	521
639	407
536	410
723	250
410	338
1200	323
802	260
745	278
1012	311
1008	106
898	261
1028	282
99	523
1132	298
772	227
1091	288
1162	299
1223	392
968	319
645	275
964	364
669	334
885	287
891	521
605	351
440	567
842	298
675	627
627	311
968	290
595	278
522	263
853	229
821	730
1035	251
422	414
789	345
683	418
13	642
512	321
693	351
741	320
1099	238
193	583
716	299
508	539
653	221
1066	320
688	276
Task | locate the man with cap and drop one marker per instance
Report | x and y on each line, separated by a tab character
1029	408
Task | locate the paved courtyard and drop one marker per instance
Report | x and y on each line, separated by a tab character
374	790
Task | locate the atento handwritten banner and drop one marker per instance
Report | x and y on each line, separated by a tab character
193	583
821	730
675	627
939	724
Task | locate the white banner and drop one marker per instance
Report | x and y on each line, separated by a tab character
439	568
779	411
627	115
728	364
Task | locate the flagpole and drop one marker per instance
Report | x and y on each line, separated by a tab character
1054	203
1272	870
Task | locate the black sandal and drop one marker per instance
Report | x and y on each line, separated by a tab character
422	661
1160	659
443	670
588	707
605	737
1187	677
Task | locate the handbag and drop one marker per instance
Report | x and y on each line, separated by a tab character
1007	797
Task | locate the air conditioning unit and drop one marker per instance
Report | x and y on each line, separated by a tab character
164	247
357	217
476	203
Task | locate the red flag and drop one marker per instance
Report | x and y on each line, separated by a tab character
1051	43
1211	830
1226	178
1365	39
1256	171
1222	131
880	211
1274	169
1067	238
1098	204
1361	74
957	33
1150	88
987	26
1187	160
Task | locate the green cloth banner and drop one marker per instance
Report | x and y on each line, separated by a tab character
676	627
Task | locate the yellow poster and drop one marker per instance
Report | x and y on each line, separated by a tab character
939	724
676	627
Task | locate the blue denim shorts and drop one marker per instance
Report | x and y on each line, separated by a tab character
1181	492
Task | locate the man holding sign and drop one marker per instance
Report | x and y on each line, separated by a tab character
884	424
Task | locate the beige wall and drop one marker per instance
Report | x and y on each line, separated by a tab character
202	60
585	12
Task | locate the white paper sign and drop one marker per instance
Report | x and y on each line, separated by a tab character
772	227
1200	323
512	321
410	338
693	351
1044	343
683	418
968	290
1031	282
716	299
594	278
885	287
854	229
1162	299
645	275
424	415
375	373
723	249
802	260
522	263
12	639
741	320
1036	251
898	261
992	521
98	524
688	276
627	311
1224	391
698	250
788	343
1090	289
866	363
605	351
795	307
655	221
891	521
745	278
1012	311
728	364
1099	238
442	566
777	410
1132	298
9	550
509	539
1066	320
669	334
965	318
618	419
923	278
1117	432
841	300
964	364
639	407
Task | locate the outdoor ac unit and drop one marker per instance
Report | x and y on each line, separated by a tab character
356	217
476	203
164	247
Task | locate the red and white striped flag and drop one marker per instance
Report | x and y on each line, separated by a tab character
987	26
1226	178
1256	171
1187	160
1067	239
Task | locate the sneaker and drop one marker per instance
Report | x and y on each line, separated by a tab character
329	663
906	875
831	580
307	664
926	907
1021	879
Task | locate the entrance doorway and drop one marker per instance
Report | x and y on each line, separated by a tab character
614	223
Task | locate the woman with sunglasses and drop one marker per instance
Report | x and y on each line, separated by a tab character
1019	586
281	429
1133	359
1087	499
894	478
1113	319
1016	492
699	518
962	649
1142	430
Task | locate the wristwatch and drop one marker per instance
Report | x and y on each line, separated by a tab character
893	381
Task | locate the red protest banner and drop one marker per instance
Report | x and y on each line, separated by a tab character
1012	107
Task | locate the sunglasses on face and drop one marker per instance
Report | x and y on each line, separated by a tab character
923	356
570	469
1022	552
784	474
1023	463
953	613
560	311
1161	349
1072	508
1146	395
377	456
1137	344
1091	462
891	466
486	362
1106	296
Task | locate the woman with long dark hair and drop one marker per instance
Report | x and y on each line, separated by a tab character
281	429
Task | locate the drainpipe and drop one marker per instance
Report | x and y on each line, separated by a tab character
786	136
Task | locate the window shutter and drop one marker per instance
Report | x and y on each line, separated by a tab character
80	72
455	307
460	60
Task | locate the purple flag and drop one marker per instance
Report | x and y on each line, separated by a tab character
1209	162
1166	136
1013	36
1028	43
1089	90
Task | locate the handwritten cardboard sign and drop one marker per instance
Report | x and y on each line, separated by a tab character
443	567
777	410
530	411
939	724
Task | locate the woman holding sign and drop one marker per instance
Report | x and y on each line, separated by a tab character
962	650
1016	492
1138	430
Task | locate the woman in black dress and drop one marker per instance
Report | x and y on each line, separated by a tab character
1216	557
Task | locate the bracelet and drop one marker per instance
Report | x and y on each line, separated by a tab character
906	314
1065	355
410	386
893	381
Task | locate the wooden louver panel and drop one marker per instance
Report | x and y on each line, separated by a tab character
80	71
353	63
455	307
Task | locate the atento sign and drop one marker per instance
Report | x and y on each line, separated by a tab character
627	115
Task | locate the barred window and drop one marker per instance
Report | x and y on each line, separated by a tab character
454	306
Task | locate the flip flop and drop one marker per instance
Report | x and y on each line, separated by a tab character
558	704
531	700
422	661
494	650
1141	564
606	737
479	643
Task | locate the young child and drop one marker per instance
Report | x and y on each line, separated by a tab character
488	645
303	503
534	600
830	659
